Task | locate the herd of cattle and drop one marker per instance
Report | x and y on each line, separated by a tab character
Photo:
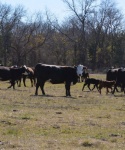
68	75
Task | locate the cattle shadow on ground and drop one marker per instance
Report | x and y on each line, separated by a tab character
18	90
41	95
53	96
3	89
121	95
6	89
90	91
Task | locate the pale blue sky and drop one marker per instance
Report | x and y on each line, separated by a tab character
56	7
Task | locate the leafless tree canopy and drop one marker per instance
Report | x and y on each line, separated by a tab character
93	35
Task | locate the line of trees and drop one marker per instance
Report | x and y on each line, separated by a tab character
93	35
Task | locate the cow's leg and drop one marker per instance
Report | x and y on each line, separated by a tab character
97	87
34	81
119	85
107	90
19	82
24	80
84	86
31	80
67	87
123	87
37	86
42	87
100	91
66	90
12	84
93	87
111	89
115	87
89	86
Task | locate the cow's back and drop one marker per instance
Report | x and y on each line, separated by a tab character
121	76
112	74
42	72
55	74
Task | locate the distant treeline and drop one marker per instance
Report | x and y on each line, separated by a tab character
94	35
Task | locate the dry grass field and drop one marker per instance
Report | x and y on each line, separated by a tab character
85	121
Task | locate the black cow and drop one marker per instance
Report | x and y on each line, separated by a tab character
111	75
120	80
85	76
11	74
56	75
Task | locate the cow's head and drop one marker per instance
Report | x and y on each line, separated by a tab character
25	70
80	69
24	67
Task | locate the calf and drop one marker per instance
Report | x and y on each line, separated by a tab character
85	76
107	85
90	81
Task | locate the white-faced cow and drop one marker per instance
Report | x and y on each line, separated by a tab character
11	74
56	75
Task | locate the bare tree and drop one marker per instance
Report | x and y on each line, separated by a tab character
28	38
109	22
81	11
8	19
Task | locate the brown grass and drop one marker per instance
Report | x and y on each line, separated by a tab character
87	120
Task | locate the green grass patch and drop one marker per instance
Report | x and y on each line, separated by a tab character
86	120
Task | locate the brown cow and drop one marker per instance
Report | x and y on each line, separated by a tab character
30	75
106	84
